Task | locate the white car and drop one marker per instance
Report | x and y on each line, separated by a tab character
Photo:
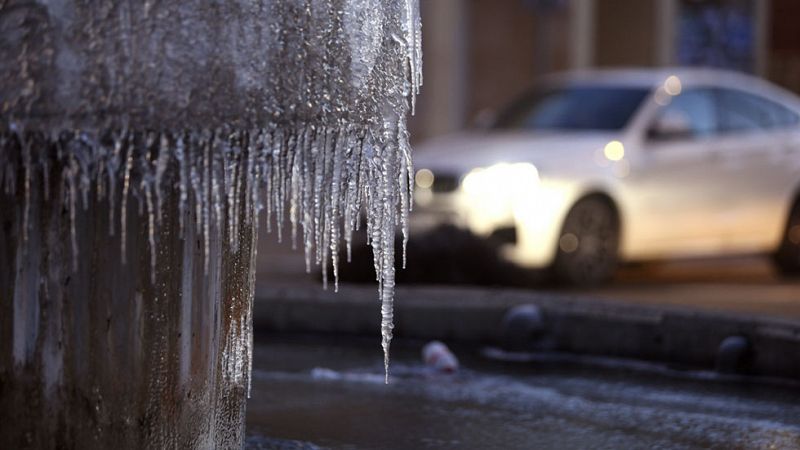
596	167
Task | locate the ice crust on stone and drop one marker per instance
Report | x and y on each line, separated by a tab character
335	146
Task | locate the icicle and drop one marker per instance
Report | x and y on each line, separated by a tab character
45	170
251	288
320	205
337	161
83	151
308	195
350	201
251	188
28	166
99	180
386	214
206	200
194	163
126	185
335	145
71	173
229	187
162	162
217	205
183	183
406	184
111	172
280	146
237	199
266	170
151	231
413	43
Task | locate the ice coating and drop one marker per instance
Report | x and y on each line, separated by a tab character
319	158
181	121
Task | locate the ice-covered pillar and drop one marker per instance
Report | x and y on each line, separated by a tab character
138	142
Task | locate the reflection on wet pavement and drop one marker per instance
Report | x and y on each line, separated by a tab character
306	391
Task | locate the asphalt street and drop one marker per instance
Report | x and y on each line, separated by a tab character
308	394
738	285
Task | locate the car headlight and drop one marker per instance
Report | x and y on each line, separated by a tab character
424	178
491	195
501	180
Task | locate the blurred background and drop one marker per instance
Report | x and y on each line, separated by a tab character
706	166
483	54
480	54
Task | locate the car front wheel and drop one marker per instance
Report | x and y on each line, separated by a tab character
587	252
787	258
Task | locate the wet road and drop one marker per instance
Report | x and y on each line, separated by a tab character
307	393
738	285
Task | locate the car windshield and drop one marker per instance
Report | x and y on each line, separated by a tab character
575	108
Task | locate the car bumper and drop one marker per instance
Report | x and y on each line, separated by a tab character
536	221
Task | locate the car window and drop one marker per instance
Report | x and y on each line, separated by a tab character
582	107
742	111
691	114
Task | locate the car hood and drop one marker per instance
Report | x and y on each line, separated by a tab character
460	153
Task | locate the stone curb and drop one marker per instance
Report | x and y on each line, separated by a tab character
583	325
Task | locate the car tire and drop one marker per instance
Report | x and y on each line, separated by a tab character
587	251
787	258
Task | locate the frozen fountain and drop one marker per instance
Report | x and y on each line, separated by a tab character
138	143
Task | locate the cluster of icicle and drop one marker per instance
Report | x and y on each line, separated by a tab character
320	177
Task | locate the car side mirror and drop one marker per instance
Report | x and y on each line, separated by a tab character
670	125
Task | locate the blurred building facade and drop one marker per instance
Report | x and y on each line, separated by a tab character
479	54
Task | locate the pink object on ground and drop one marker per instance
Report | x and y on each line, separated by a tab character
437	356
